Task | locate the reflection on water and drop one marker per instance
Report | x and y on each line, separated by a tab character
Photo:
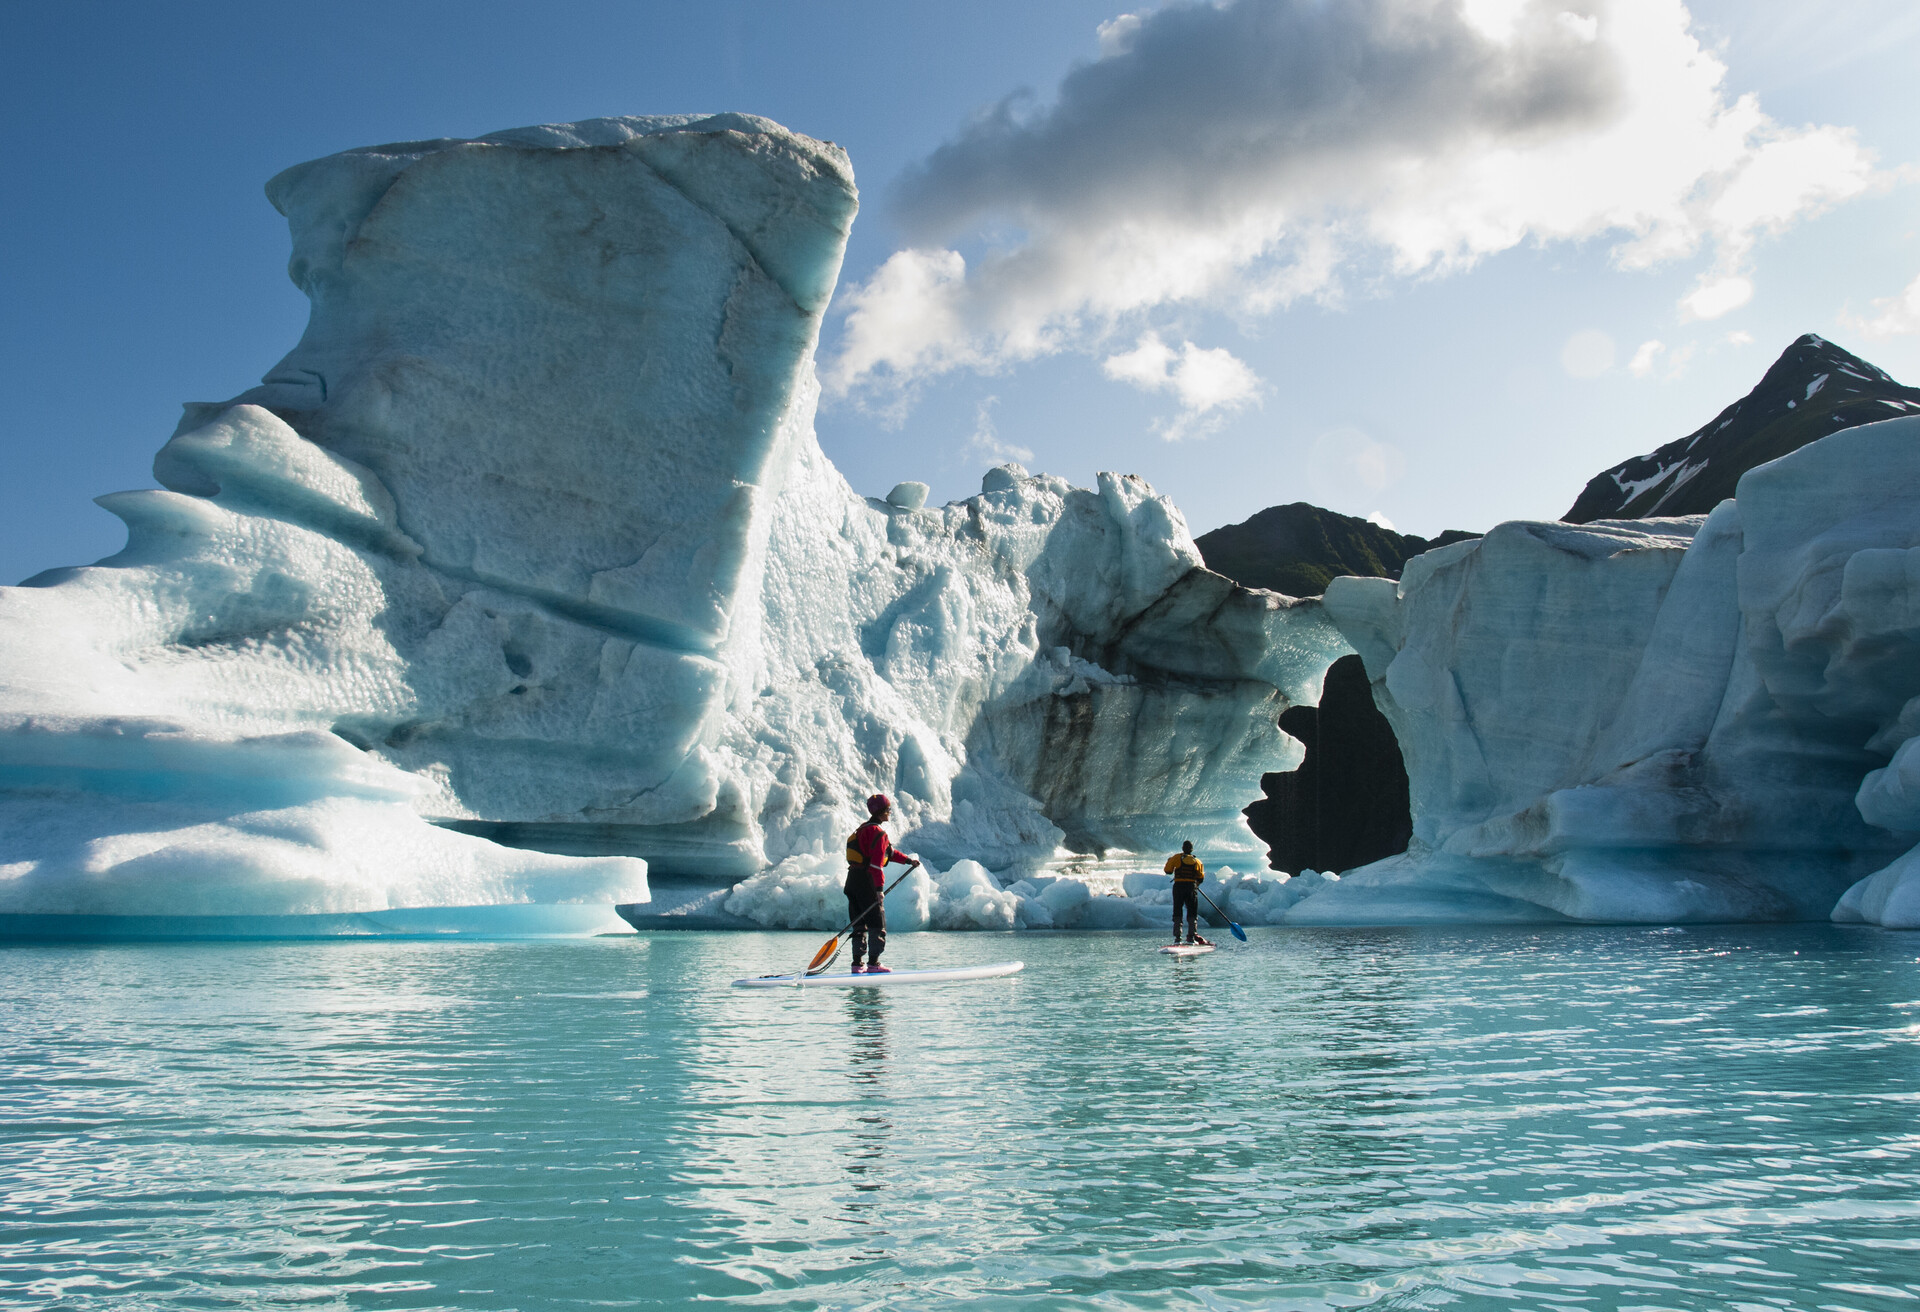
1316	1119
872	1126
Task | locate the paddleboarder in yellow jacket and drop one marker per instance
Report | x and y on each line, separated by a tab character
1187	872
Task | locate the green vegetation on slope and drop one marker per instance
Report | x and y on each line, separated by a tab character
1297	548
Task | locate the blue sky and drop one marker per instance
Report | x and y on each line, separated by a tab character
1418	292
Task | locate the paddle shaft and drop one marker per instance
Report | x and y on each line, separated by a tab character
1238	932
833	943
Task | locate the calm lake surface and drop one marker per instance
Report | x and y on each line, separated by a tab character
1573	1118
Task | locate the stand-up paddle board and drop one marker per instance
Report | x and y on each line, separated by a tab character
886	981
1187	949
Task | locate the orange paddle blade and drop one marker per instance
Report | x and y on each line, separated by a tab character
825	954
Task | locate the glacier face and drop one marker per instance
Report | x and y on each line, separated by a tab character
530	536
1034	666
1660	720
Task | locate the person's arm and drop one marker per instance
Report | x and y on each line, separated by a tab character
1199	871
895	854
1172	862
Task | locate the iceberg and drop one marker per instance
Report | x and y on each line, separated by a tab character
805	893
522	582
1694	719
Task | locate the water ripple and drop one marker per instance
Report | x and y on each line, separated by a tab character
1317	1120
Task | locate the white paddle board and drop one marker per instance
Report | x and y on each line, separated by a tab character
1187	949
888	980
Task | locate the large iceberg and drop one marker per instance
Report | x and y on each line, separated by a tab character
1709	718
524	571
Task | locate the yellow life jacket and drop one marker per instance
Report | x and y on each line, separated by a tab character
1185	868
855	857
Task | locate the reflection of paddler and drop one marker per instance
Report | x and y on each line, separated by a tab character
868	852
1187	872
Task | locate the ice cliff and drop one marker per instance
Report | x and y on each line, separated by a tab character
1710	718
524	569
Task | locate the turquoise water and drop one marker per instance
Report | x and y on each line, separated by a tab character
1575	1118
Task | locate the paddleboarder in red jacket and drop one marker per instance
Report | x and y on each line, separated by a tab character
868	852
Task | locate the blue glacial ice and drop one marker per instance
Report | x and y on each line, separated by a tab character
1661	720
524	570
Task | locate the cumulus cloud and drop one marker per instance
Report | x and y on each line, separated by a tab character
1641	366
1892	316
1715	297
1205	380
1242	156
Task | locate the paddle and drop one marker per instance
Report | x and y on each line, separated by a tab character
831	948
1238	932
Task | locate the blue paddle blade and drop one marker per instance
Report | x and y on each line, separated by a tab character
1238	932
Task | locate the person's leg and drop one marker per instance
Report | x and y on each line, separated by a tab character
877	930
856	903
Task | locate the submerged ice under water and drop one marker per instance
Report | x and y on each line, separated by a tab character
1328	1118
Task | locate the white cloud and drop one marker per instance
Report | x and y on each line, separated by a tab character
1584	27
1739	337
1647	360
1204	379
1376	517
909	310
1893	316
1715	297
1587	354
1117	33
1242	156
985	441
1148	365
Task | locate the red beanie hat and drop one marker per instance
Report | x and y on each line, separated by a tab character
879	802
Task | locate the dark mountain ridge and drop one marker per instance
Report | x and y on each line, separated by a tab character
1297	548
1813	389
